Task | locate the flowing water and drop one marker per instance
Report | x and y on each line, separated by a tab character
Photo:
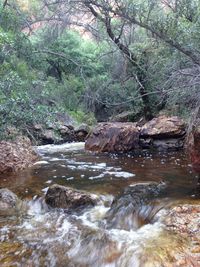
46	237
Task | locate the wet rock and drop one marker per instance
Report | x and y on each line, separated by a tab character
16	155
49	137
54	134
162	144
193	145
193	140
63	197
81	132
59	132
113	137
163	133
67	133
9	203
134	207
164	127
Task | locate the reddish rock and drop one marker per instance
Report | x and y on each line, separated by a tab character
184	219
164	127
113	137
194	148
16	155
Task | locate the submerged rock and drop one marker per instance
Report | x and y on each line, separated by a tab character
113	137
10	204
16	155
134	207
59	196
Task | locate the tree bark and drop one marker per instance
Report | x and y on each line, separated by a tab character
131	57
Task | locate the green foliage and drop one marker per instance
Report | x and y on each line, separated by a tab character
55	69
83	117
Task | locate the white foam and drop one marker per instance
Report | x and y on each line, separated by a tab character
113	173
41	162
67	147
70	178
48	182
55	159
45	189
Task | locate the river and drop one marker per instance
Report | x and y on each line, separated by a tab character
46	237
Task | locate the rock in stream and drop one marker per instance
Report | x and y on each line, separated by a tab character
10	204
134	207
59	196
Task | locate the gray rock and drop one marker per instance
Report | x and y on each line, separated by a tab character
133	208
10	204
63	197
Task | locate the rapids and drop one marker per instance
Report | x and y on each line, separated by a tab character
52	237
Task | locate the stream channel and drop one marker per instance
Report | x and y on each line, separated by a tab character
53	237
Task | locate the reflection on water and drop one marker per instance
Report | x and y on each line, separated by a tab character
46	237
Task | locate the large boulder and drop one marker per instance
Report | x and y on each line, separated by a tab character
113	137
16	155
163	133
59	196
194	147
163	127
9	203
193	140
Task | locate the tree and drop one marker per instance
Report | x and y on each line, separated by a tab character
172	23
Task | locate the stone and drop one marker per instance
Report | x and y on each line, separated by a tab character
163	133
81	132
113	137
132	209
9	203
16	155
193	146
49	137
184	219
162	144
59	196
164	127
67	133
